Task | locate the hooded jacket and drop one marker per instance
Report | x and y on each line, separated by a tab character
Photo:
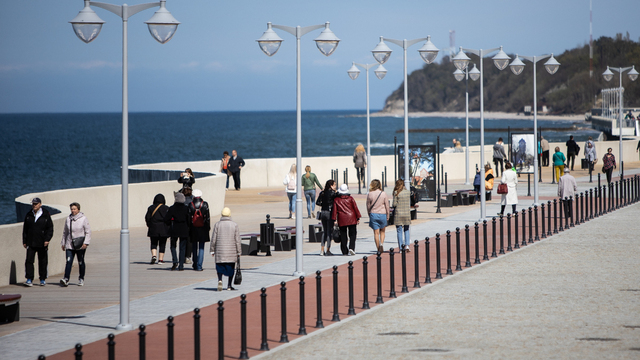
75	226
178	220
155	221
36	233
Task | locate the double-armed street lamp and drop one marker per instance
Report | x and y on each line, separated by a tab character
608	75
552	66
460	75
461	61
87	26
428	53
269	43
353	73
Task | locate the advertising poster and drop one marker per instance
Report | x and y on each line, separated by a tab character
523	149
421	169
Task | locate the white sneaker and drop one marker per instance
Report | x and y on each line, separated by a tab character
321	252
351	252
293	217
64	282
219	285
81	282
187	261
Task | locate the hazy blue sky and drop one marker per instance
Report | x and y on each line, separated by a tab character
214	64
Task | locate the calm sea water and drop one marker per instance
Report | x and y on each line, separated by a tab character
41	152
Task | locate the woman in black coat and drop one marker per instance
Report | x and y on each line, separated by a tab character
325	199
177	218
158	230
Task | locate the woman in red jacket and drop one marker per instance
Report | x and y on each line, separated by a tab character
347	216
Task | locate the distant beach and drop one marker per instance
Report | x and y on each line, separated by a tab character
494	115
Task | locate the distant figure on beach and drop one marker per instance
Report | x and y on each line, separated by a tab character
200	226
378	211
567	188
454	142
325	200
590	154
37	231
309	182
224	166
158	230
629	116
76	226
498	156
360	162
234	165
290	187
226	247
544	145
346	214
608	164
458	147
510	178
558	163
402	215
572	150
186	178
177	218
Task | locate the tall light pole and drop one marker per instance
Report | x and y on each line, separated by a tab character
608	75
87	26
461	61
459	75
517	66
269	43
428	53
353	73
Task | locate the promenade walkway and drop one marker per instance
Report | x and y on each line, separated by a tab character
87	314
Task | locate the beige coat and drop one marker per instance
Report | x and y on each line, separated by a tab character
225	241
402	203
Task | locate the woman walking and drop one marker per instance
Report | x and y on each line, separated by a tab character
402	214
177	218
290	183
558	164
510	178
325	201
360	162
378	210
224	164
608	164
488	179
158	231
346	213
226	247
309	182
76	226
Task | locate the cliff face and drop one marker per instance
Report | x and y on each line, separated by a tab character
569	91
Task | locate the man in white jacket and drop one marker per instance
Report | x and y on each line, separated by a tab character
567	188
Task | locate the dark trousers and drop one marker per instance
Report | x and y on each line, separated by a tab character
159	241
568	208
497	161
81	265
327	228
608	172
236	179
545	158
360	175
43	261
571	158
343	238
183	249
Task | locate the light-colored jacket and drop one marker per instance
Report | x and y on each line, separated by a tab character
359	159
379	206
290	180
79	227
402	203
567	186
225	241
510	178
590	152
544	144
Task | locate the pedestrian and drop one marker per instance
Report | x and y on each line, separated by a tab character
346	214
177	218
200	226
224	167
234	165
158	231
567	188
291	189
591	155
226	247
309	182
187	179
188	197
544	144
378	211
558	163
608	164
498	156
458	147
402	215
325	201
572	150
638	148
488	179
76	225
360	162
37	231
477	181
510	178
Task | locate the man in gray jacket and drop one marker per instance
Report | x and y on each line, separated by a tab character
498	156
567	188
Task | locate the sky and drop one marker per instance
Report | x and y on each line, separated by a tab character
213	62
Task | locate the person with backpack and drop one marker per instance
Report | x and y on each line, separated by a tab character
178	220
200	226
290	183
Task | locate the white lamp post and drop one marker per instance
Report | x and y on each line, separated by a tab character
162	26
428	53
500	60
517	66
380	72
269	43
608	75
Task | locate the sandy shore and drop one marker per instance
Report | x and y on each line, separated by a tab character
487	115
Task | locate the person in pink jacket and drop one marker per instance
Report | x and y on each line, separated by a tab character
76	225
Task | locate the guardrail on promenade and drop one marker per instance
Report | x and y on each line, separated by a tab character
522	229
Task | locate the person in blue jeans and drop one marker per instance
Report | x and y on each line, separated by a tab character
309	182
200	227
477	181
402	214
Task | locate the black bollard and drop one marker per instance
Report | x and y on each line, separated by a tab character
555	216
365	283
524	227
142	343
567	205
220	330
438	265
582	206
561	206
170	326
467	252
590	203
484	238
42	357
449	271
543	235
284	338
352	310
405	289
476	233
458	264
501	234
78	353
319	323
597	195
535	217
509	248
336	316
617	193
549	232
379	280
302	330
243	329
493	237
604	200
516	244
601	193
427	279
196	331
530	225
264	345
416	264
111	345
392	278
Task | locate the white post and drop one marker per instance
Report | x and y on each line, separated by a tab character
368	138
620	158
483	203
466	110
407	181
535	137
299	230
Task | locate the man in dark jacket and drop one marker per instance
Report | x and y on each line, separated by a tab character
234	165
572	150
179	222
200	226
37	231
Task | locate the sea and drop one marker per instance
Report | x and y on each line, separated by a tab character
43	152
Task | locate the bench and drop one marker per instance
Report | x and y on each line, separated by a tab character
254	244
315	233
285	239
9	308
447	199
